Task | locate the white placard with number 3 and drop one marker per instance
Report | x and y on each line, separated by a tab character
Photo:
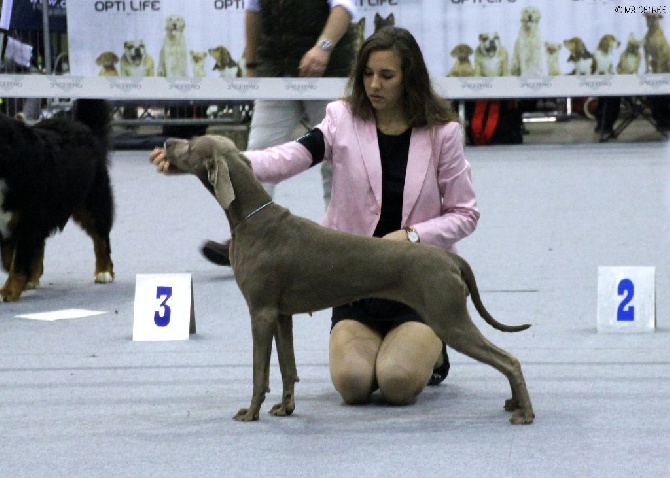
163	307
626	299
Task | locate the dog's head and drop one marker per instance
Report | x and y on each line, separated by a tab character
461	51
208	156
489	43
134	51
197	56
107	59
608	43
653	20
381	22
552	48
577	49
222	57
633	45
530	18
175	25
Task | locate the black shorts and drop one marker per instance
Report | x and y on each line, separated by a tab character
380	314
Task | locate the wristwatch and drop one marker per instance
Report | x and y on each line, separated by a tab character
325	44
412	235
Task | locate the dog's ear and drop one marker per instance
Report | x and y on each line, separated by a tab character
219	177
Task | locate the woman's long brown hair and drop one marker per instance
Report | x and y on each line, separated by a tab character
422	105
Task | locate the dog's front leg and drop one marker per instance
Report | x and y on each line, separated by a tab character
289	373
263	324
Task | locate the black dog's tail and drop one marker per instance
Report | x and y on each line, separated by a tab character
97	115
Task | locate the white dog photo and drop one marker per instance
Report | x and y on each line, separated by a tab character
172	61
527	58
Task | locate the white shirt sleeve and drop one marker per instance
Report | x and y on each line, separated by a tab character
348	4
254	5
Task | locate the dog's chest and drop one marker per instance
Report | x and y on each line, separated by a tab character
630	62
492	65
583	66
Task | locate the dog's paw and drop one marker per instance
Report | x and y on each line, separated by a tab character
279	410
10	294
30	285
522	417
511	404
104	277
246	415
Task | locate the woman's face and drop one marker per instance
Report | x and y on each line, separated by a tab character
382	78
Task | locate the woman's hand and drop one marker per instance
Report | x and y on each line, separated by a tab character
314	62
399	235
158	159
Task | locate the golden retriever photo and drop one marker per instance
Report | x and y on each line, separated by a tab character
527	55
173	55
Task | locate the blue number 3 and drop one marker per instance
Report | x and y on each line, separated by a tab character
162	317
626	312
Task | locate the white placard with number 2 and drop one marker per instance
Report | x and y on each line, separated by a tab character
626	299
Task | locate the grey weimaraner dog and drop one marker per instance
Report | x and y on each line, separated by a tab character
286	265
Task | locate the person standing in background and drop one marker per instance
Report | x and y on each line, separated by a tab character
292	38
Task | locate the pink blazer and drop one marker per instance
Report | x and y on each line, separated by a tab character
438	200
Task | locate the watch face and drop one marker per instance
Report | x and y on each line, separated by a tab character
325	44
413	236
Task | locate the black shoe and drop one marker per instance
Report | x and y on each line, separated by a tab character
441	371
216	252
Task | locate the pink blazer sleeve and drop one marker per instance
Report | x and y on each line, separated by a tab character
458	213
281	162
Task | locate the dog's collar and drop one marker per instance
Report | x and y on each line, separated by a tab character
258	209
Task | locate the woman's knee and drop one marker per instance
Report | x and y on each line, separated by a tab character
353	351
400	385
354	385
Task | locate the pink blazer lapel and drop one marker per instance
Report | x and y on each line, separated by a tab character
420	159
366	134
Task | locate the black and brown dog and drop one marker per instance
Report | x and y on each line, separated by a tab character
49	172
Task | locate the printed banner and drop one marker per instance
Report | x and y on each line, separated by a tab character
463	38
168	38
26	15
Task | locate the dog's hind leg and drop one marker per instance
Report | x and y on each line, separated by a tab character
36	268
263	326
289	373
464	336
96	217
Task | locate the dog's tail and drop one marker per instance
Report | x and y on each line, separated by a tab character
469	278
97	115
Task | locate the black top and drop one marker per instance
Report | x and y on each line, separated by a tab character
394	150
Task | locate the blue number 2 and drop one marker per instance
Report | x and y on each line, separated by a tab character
162	317
625	312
